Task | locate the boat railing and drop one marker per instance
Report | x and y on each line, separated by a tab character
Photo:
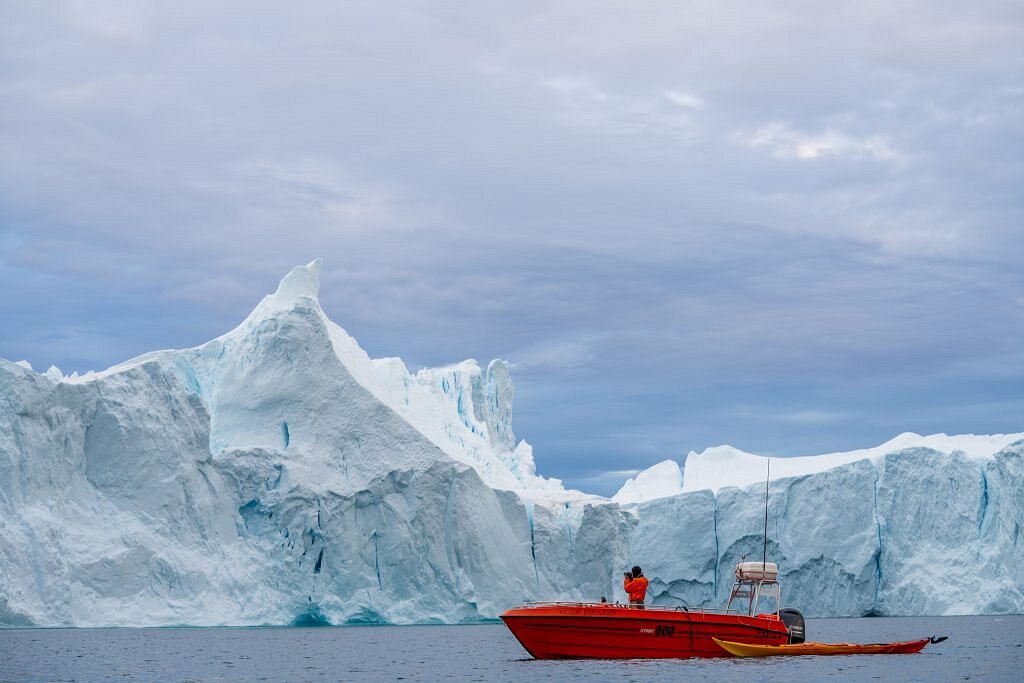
657	608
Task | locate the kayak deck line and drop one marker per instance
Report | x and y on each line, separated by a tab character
825	649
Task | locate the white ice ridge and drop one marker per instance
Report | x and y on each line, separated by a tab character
277	475
658	481
721	466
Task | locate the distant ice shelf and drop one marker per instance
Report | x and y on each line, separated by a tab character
278	475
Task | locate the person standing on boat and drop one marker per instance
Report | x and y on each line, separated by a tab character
635	584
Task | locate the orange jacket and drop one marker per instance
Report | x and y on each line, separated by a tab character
637	588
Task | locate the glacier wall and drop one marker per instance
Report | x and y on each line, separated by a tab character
918	532
278	475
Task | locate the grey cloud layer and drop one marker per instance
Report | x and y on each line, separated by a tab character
684	224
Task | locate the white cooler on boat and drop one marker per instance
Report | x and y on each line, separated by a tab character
757	571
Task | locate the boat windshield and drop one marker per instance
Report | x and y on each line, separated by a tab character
760	597
766	598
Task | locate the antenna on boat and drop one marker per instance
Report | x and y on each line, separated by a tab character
764	557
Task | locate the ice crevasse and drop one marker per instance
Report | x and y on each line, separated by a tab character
278	475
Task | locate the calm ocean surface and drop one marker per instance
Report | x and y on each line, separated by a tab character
979	649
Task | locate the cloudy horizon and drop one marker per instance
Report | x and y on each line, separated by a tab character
791	228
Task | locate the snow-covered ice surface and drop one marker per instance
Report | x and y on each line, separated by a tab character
278	475
658	481
723	466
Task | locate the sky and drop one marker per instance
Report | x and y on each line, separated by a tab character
792	227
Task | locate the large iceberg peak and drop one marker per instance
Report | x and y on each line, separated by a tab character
301	282
463	410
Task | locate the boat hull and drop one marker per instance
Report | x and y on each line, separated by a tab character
821	649
567	631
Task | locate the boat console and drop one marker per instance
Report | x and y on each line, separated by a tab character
757	585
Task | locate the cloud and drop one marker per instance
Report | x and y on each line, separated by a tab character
684	99
607	483
576	86
813	417
787	143
585	104
557	356
323	187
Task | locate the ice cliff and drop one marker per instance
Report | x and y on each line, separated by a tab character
278	475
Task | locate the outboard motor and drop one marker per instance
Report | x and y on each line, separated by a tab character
794	622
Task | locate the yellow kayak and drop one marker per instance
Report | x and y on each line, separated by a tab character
745	650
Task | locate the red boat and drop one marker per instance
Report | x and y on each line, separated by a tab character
562	630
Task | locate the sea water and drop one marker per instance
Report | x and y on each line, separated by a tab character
978	649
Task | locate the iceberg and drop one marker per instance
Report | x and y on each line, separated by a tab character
278	475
